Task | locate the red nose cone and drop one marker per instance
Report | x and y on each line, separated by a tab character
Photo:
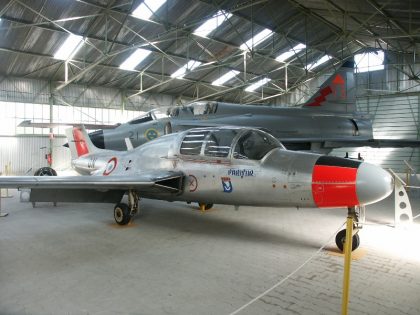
334	182
334	186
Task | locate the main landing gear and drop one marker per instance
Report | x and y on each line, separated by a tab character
205	206
358	215
123	213
45	171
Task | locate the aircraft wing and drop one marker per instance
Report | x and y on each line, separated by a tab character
218	121
373	143
148	182
329	144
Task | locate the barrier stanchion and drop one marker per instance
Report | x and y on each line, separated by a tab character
2	214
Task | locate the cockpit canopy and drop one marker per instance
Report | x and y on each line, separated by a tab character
194	109
149	116
228	142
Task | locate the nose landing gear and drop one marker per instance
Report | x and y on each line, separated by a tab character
357	215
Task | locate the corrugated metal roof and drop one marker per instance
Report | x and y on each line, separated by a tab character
32	31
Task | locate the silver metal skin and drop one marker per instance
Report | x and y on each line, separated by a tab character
246	167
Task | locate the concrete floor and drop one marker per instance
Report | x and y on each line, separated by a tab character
173	259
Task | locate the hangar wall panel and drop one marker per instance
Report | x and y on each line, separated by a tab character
394	117
25	154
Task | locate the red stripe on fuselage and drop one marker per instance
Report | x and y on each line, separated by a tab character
81	146
334	186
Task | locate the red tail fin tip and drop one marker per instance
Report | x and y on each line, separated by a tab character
80	142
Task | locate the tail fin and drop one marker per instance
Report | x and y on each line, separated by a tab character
337	93
79	142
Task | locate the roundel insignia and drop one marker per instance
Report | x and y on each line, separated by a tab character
193	183
151	134
110	166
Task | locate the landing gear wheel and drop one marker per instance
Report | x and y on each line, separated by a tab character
168	128
45	171
122	214
341	238
207	206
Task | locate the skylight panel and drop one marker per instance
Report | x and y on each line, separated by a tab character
147	8
257	84
211	24
318	63
371	61
180	73
256	40
295	50
224	78
135	58
69	48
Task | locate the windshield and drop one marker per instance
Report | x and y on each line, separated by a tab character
149	116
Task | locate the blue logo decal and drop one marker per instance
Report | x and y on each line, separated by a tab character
227	185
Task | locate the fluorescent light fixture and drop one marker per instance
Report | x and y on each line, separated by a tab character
371	61
224	78
295	50
318	63
69	48
211	24
148	7
257	84
256	40
135	58
180	73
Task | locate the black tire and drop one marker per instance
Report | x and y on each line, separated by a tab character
45	171
207	206
340	239
122	214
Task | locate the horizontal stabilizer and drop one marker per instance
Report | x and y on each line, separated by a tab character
29	123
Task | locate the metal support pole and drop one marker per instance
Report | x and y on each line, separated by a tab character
4	214
51	135
66	71
347	261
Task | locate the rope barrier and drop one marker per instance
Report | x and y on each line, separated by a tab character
288	276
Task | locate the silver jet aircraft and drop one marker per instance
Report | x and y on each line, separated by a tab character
328	120
224	165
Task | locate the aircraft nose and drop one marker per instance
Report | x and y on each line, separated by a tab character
373	183
97	138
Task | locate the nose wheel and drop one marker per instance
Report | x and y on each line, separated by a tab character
123	213
340	240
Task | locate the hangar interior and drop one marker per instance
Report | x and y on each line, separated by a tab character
109	61
299	45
